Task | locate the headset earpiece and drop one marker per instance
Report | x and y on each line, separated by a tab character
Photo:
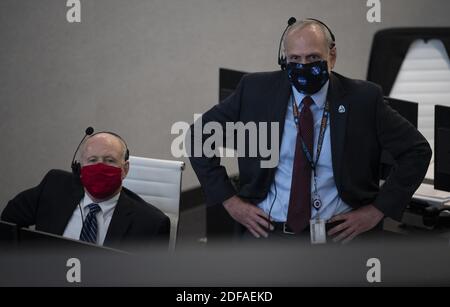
76	168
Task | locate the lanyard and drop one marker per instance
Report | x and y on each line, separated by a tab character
317	203
323	128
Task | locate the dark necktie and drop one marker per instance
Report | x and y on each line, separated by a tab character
299	212
89	230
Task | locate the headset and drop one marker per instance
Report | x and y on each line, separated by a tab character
282	61
76	166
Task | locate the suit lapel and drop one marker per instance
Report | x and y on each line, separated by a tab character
66	207
120	221
338	122
277	107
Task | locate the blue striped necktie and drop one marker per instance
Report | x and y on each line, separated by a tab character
89	230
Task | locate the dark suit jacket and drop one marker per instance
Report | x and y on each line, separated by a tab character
358	137
50	206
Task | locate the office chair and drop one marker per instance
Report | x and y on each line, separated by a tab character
413	64
158	182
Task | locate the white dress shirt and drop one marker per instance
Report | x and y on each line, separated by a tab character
277	200
73	228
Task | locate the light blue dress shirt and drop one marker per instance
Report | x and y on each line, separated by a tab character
75	225
279	193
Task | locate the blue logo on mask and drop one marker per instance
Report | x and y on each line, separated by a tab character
315	70
308	78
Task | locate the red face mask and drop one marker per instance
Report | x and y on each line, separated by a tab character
101	180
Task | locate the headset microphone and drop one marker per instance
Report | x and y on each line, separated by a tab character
282	59
75	164
291	21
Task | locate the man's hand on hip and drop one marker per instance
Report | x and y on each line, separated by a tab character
355	223
252	217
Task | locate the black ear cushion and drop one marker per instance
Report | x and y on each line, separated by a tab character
283	63
76	168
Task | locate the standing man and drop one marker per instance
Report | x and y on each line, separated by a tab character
92	205
332	131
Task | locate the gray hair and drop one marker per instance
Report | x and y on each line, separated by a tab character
307	22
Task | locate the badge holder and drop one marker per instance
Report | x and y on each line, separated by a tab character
317	228
317	231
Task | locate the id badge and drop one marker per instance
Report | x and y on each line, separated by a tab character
317	231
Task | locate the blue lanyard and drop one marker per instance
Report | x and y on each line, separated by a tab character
323	128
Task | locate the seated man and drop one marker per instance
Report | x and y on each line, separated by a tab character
91	205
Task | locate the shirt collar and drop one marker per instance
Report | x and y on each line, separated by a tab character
106	206
319	98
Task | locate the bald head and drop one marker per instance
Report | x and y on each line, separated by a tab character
105	148
324	35
309	41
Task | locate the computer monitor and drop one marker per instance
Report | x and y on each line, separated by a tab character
32	239
408	110
442	148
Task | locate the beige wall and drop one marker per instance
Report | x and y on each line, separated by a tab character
136	67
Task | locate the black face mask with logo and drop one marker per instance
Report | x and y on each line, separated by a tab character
309	78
